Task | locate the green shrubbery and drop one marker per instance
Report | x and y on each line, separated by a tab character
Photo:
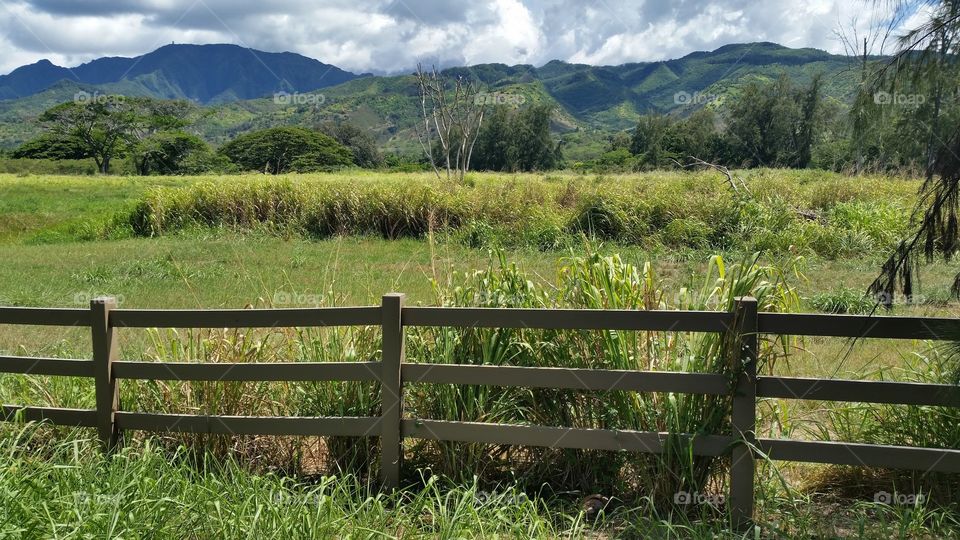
27	166
827	215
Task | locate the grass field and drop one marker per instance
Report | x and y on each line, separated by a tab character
64	240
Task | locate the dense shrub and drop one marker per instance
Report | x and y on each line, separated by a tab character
27	166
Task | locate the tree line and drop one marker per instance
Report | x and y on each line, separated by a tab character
779	123
153	136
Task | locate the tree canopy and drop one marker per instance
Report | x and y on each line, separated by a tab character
285	149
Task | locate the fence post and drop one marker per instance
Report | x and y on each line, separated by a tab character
744	416
391	391
104	337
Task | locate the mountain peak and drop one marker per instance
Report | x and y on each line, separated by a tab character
207	73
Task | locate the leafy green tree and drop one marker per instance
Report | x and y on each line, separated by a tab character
620	140
697	136
654	141
807	122
104	127
108	126
49	146
660	141
283	149
927	64
532	148
760	123
169	152
775	124
490	153
517	140
360	142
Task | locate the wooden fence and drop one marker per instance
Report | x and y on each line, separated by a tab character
104	320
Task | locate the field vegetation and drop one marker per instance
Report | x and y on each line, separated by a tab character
799	241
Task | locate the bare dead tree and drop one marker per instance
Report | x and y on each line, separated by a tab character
859	45
452	116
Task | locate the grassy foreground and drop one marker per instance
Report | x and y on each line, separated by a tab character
71	491
61	245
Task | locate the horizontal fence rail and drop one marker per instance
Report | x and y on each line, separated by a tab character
46	366
858	326
392	372
567	378
556	437
569	319
294	371
248	425
245	318
45	316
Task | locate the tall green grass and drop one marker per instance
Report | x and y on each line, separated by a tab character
901	425
146	492
65	488
594	281
830	216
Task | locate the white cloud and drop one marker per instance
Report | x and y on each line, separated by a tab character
393	35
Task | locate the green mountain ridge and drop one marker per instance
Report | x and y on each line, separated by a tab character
588	98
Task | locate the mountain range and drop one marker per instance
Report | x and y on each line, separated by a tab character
204	73
239	85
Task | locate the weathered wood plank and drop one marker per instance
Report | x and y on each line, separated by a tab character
288	371
584	319
28	365
859	326
249	425
899	393
569	378
863	455
45	316
555	437
744	415
104	339
245	318
391	391
58	416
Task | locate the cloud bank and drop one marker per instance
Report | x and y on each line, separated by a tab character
388	36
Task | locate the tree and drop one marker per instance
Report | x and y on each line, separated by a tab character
652	140
517	140
169	152
109	126
283	149
807	122
532	147
49	146
774	124
361	144
659	140
697	135
492	147
452	116
102	126
927	58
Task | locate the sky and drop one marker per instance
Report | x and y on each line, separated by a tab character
390	36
